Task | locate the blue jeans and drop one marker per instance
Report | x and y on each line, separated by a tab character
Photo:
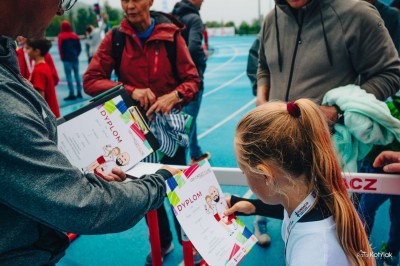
370	203
193	109
68	68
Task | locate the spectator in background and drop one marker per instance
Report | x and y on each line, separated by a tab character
396	4
26	65
391	17
388	161
252	64
69	46
187	11
370	203
155	68
205	36
94	37
41	77
309	69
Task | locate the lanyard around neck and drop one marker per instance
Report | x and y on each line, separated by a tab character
30	64
305	206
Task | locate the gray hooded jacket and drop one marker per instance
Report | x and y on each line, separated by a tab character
41	194
327	44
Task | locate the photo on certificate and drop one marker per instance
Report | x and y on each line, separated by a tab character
199	205
108	134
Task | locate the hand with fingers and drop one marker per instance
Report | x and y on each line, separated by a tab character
331	115
241	206
164	105
389	160
116	174
144	96
173	171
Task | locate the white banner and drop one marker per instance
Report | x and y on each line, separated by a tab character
223	31
355	182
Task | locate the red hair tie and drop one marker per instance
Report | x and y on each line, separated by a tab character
293	109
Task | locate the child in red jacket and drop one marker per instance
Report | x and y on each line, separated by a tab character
26	65
41	77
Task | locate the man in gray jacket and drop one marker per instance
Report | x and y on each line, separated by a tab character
310	47
187	11
41	194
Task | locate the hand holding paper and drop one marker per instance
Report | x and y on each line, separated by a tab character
199	205
107	137
241	206
116	174
173	171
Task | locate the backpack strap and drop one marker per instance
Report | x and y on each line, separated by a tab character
170	47
118	44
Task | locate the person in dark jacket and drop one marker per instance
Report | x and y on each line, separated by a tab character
69	47
148	75
396	4
370	203
187	11
391	17
41	194
252	64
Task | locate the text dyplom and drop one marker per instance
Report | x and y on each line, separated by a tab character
111	126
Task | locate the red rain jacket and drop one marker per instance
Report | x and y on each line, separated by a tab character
147	66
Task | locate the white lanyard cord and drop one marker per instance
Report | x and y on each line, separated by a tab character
304	207
30	64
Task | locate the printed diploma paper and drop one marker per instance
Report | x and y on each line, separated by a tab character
104	137
199	206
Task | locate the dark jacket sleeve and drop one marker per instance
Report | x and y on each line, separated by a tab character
372	51
263	73
272	211
38	181
60	40
252	64
195	39
79	46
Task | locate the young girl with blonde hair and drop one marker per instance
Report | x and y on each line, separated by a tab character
287	156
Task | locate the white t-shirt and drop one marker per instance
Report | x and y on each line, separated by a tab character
313	244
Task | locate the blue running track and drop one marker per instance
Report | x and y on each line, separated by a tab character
226	99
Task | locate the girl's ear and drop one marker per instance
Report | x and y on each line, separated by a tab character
266	172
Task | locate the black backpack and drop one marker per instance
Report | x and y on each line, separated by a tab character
118	44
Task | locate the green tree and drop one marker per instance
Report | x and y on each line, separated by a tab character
82	19
244	28
229	24
54	28
114	15
255	27
214	24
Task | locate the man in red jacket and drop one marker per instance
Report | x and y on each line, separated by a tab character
148	74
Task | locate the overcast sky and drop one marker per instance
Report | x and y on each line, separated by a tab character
214	10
